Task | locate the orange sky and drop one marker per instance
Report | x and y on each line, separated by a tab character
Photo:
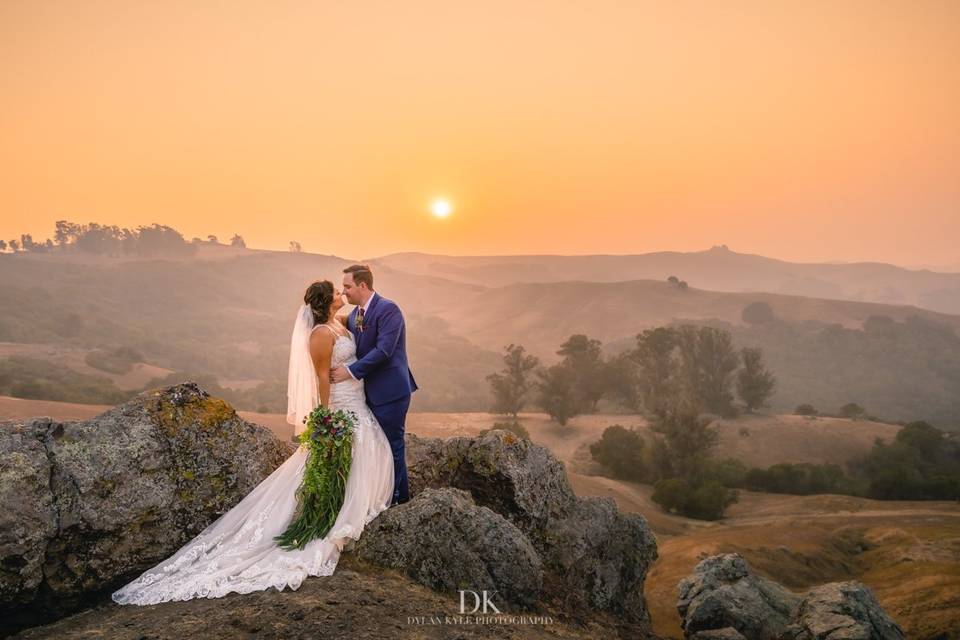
807	130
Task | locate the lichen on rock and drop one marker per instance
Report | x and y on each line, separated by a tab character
594	557
87	505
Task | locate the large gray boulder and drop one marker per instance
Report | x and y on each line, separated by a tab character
596	557
722	592
602	556
85	506
28	516
843	611
514	477
445	541
723	599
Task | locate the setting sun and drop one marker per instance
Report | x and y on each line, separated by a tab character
441	208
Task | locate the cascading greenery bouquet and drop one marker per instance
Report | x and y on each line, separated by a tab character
329	442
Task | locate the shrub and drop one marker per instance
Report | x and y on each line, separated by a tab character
513	427
920	464
119	360
805	410
671	494
706	500
852	410
757	313
621	451
798	479
729	472
709	500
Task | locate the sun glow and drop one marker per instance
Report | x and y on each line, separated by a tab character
441	208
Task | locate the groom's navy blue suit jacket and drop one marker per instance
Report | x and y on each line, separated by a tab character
382	352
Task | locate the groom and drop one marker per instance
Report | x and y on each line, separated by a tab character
378	327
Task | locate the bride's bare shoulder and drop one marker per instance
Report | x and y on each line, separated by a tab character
326	336
331	331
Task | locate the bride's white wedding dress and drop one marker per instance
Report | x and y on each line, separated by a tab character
237	552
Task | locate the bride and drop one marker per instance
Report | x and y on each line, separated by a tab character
237	552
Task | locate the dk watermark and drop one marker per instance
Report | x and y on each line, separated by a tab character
482	611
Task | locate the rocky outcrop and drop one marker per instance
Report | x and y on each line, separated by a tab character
28	517
514	477
722	592
843	611
86	505
455	544
594	557
724	599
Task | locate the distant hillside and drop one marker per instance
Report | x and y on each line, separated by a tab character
226	314
906	367
717	269
541	316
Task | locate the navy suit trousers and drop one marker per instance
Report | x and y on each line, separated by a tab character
392	417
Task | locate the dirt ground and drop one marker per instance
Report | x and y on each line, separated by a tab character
358	602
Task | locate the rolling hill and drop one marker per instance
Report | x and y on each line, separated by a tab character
716	269
227	313
541	316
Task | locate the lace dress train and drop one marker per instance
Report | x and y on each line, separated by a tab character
237	552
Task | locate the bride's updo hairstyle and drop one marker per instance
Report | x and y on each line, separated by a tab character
319	296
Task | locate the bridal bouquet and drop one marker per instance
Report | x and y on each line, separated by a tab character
328	438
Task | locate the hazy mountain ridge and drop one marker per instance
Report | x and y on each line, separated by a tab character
717	269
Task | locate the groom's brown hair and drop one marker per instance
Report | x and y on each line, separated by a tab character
361	274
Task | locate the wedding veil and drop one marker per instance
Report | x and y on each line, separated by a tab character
303	396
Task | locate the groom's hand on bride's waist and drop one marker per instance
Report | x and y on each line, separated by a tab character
340	374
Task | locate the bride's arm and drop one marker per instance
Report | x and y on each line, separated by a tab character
321	350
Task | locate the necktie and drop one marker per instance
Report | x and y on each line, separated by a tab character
360	319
